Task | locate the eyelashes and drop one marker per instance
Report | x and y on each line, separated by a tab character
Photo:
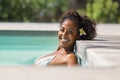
68	31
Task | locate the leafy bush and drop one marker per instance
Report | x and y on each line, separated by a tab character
103	11
31	10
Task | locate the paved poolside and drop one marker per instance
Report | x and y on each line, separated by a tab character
59	73
103	51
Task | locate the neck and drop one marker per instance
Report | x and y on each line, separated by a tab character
67	50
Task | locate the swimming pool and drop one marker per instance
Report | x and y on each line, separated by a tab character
21	48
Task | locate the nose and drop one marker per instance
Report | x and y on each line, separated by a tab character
64	34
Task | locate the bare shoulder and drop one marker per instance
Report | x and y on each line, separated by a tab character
72	55
71	59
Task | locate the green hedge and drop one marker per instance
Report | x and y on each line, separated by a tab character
32	10
103	11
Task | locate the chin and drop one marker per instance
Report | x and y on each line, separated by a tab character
64	46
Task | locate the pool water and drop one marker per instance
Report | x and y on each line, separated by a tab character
22	50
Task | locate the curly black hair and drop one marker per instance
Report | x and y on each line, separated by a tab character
83	22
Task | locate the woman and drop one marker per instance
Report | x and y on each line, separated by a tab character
72	27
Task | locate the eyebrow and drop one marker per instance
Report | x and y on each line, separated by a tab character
69	28
73	29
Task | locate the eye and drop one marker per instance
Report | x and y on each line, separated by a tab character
61	29
70	32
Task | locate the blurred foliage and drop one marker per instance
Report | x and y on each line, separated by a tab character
32	10
81	11
103	11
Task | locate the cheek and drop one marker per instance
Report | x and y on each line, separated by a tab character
59	34
74	37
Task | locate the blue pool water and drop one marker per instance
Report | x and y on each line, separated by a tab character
22	48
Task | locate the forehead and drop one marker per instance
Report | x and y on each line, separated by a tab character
69	24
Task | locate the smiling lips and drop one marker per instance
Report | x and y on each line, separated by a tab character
64	40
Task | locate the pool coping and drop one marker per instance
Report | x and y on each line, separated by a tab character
30	26
103	51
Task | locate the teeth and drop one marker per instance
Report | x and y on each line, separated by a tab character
64	40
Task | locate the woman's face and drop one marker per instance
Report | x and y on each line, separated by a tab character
67	34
